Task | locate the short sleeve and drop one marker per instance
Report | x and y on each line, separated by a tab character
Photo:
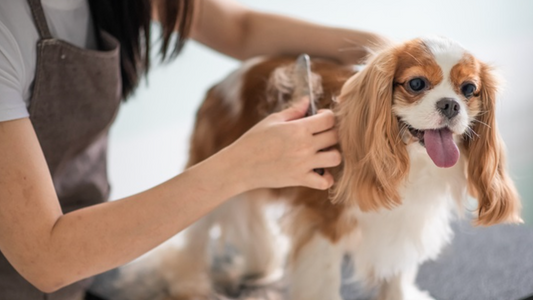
12	104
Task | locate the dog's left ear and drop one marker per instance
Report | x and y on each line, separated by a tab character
487	175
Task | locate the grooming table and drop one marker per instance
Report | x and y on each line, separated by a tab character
493	263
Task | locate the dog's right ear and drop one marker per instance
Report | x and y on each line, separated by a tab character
375	158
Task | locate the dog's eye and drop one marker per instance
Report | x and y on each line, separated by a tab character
468	89
417	85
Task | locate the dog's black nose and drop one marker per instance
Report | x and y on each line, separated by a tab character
448	107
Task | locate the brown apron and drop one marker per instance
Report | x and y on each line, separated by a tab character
76	95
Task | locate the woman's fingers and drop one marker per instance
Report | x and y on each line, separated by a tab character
325	139
296	111
327	159
322	121
322	160
319	182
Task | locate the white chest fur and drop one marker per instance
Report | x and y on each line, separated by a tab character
393	241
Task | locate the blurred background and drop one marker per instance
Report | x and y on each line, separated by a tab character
149	140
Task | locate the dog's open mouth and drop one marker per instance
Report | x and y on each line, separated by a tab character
439	144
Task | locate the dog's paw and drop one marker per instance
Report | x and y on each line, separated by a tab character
227	273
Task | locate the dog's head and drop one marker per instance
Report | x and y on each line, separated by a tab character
434	94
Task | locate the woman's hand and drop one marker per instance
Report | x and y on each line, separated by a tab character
283	149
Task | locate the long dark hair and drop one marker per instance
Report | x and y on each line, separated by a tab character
129	22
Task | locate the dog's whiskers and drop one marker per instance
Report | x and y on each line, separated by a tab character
480	122
403	128
469	131
482	112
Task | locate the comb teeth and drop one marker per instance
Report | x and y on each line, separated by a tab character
302	80
303	87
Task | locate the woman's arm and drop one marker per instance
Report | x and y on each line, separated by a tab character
51	249
237	31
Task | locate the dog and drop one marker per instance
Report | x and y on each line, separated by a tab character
418	135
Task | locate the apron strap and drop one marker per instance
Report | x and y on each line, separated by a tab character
39	19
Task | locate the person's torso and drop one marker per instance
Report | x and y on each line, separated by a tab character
68	20
74	96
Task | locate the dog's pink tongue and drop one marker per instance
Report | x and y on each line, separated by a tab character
441	147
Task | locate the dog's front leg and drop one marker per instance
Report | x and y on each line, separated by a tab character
315	268
187	271
253	258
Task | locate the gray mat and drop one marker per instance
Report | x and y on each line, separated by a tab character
494	263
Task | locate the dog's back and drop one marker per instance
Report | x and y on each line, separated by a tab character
261	86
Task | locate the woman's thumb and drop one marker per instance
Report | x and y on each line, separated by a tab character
297	110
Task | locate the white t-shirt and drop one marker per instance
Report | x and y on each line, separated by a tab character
68	20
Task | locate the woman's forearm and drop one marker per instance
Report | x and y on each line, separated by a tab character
242	33
274	34
95	239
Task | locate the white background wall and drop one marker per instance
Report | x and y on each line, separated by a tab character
149	140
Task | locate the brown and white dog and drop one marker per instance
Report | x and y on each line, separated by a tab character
418	134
